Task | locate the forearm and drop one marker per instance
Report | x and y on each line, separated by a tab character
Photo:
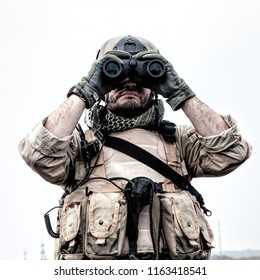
205	120
215	155
64	119
52	158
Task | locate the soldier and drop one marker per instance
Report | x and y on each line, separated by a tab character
117	204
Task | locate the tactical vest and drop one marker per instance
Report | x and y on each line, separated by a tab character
92	223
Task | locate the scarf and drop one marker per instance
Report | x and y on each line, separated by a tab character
103	122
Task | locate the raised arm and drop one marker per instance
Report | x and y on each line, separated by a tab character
205	120
64	119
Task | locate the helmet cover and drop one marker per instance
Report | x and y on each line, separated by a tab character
131	44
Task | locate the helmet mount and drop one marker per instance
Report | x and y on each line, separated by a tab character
130	44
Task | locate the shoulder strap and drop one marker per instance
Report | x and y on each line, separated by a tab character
158	165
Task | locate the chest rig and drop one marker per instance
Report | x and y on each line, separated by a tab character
103	237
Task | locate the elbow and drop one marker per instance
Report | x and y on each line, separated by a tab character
243	150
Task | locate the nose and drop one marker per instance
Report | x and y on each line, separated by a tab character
130	85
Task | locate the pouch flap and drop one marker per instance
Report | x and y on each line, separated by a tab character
186	215
207	232
70	214
70	221
103	214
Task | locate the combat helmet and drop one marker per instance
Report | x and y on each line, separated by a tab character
131	44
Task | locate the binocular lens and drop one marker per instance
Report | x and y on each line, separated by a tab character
112	69
156	68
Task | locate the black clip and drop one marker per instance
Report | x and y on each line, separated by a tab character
168	129
89	150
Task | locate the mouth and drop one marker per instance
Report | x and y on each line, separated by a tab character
128	93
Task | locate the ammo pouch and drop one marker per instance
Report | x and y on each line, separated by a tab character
186	230
93	223
175	216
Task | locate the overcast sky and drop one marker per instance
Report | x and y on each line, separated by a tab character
47	46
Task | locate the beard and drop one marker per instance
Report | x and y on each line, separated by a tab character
130	108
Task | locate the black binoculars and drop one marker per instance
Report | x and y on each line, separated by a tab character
135	69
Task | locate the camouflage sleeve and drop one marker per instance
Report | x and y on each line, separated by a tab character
216	155
52	158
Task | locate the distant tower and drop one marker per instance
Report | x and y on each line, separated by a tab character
219	236
43	257
24	254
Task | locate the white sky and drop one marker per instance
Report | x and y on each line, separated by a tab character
47	46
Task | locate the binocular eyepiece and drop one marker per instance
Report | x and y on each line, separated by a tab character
147	70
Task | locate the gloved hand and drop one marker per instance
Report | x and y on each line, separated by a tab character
92	87
171	86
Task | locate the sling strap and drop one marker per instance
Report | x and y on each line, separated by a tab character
147	158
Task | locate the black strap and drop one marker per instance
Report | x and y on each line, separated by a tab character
147	158
140	192
158	165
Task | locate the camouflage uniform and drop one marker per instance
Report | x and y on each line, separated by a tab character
92	222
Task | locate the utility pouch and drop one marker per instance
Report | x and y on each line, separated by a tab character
69	245
186	230
106	217
92	223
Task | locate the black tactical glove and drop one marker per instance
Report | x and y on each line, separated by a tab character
171	86
92	88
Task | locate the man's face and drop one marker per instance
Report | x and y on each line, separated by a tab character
129	100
